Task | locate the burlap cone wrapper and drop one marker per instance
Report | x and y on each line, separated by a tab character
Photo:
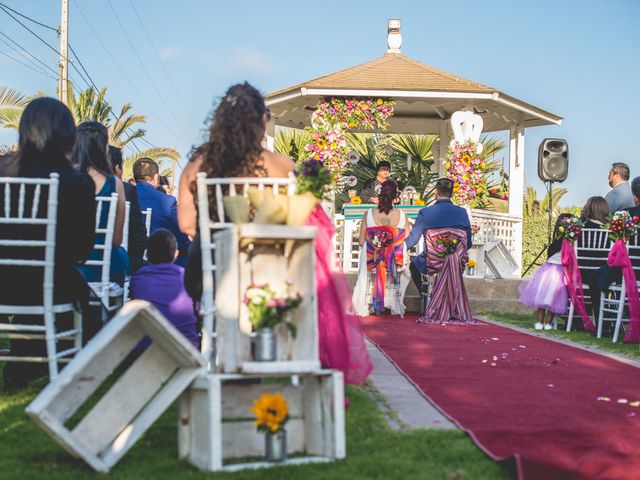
236	208
272	210
300	207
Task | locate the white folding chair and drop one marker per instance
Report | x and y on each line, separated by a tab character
207	227
615	301
146	215
104	290
125	245
17	214
591	252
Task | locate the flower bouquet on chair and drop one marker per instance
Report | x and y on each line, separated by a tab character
268	308
446	245
272	412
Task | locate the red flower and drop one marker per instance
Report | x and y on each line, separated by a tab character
636	219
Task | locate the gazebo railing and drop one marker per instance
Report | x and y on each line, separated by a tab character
493	226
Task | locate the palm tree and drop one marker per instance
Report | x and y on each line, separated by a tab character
291	142
419	174
92	105
12	102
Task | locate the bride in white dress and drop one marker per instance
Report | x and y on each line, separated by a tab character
382	215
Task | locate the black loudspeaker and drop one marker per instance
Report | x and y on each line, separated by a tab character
553	160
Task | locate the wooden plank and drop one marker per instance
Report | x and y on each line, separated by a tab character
184	427
281	232
156	407
227	299
301	269
83	383
284	367
340	441
236	467
240	439
238	399
313	420
115	411
83	360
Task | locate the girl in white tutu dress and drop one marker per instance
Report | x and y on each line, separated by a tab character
547	292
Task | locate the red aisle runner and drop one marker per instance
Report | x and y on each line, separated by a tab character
522	397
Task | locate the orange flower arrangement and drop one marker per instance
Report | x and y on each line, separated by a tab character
271	411
356	200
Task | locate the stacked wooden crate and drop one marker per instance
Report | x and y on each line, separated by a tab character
216	429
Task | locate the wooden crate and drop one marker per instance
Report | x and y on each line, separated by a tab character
133	402
215	425
254	254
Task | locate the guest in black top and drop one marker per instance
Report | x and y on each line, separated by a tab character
47	137
371	188
137	229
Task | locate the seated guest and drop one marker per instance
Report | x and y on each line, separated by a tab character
164	186
386	261
441	214
620	196
47	139
162	284
371	188
92	158
163	207
137	229
600	279
594	214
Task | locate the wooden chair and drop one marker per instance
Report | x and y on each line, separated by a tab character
591	252
206	227
16	212
615	301
104	290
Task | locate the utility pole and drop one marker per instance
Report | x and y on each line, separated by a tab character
63	85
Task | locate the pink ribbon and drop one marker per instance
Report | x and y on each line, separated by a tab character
619	257
574	283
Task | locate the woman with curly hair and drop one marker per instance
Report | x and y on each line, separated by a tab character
234	149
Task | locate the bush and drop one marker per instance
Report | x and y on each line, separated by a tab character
534	238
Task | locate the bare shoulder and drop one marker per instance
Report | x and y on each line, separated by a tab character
276	164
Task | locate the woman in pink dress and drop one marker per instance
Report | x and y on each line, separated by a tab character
234	149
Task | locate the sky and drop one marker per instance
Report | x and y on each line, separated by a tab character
576	58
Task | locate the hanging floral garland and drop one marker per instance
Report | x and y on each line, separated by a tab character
331	120
465	168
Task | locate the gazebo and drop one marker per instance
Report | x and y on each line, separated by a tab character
425	100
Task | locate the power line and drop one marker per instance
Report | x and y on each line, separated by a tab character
27	65
144	68
22	52
28	18
27	28
117	65
144	29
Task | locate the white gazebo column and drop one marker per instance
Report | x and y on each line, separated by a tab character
443	144
516	187
270	137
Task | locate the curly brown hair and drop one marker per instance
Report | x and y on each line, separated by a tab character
236	131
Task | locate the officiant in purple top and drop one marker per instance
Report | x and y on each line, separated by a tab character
162	284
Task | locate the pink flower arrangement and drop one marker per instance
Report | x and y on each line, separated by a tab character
446	245
267	307
332	118
466	169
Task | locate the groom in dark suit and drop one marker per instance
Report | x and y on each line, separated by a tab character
441	214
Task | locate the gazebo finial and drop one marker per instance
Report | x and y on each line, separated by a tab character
394	39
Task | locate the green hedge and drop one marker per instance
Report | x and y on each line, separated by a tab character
534	238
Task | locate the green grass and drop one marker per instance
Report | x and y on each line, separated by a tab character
373	451
584	338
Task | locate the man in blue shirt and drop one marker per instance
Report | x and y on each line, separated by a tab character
164	213
441	214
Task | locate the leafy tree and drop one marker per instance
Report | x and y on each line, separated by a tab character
291	142
92	105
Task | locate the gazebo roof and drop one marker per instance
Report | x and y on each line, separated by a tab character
424	97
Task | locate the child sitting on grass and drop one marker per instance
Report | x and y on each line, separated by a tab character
162	284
